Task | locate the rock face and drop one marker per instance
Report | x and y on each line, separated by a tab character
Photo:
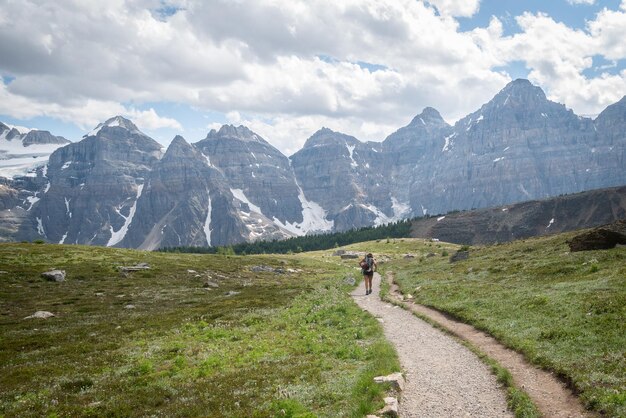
256	170
92	186
184	202
116	187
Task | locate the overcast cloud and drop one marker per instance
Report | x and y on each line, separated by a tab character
287	67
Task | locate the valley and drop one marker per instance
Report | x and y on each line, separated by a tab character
256	335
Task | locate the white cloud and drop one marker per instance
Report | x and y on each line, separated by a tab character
288	67
461	8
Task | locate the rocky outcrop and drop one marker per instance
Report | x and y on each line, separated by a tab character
43	137
602	238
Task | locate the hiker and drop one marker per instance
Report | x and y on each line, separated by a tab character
368	267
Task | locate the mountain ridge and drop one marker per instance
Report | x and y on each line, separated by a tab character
117	187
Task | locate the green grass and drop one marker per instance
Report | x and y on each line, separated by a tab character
291	344
566	312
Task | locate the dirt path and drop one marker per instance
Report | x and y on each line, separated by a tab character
445	379
552	397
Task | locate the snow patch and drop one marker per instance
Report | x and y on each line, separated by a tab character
313	218
63	239
498	159
550	223
117	236
67	207
351	151
40	230
207	222
32	200
400	210
448	142
208	160
66	165
239	195
544	115
441	218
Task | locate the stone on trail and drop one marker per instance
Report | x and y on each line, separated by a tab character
54	275
41	315
396	380
391	407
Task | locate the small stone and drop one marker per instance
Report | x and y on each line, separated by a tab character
396	380
391	407
41	315
210	283
231	293
54	275
129	307
99	294
191	271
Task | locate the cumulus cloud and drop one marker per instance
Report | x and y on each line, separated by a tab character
287	67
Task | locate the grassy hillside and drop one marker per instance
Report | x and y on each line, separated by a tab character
565	311
288	342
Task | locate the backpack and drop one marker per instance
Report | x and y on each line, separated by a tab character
366	264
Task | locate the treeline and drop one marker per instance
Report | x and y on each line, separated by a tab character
400	229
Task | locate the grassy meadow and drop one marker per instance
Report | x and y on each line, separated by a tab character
288	343
565	311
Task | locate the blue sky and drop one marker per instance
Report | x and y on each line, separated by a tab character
288	67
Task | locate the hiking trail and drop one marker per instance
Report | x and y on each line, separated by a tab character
445	379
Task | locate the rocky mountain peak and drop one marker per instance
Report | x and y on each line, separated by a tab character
116	121
326	136
429	116
519	93
180	148
241	133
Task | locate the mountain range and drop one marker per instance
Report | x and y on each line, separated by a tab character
118	187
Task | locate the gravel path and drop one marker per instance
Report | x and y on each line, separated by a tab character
443	378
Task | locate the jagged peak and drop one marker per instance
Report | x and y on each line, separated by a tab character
116	121
521	89
179	147
240	132
429	116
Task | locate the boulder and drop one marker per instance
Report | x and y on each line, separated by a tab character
460	255
601	238
54	275
41	315
338	253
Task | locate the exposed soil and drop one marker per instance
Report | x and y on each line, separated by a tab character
447	379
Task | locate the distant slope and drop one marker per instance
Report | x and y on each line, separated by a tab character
528	219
